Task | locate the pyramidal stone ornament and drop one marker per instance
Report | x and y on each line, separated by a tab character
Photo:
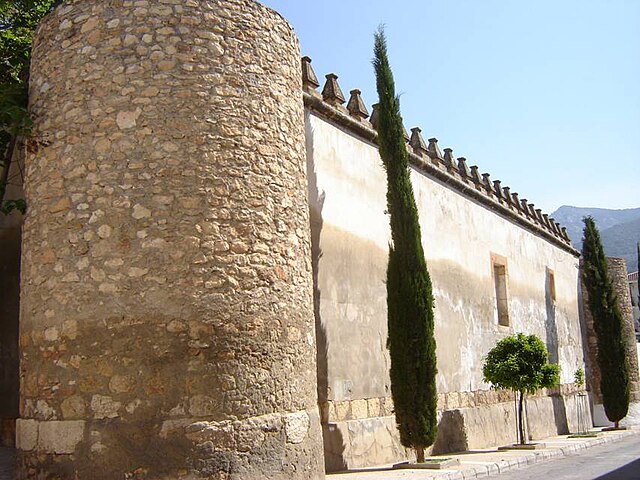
356	106
309	78
331	92
434	150
506	191
449	160
417	142
558	228
486	181
516	201
374	115
462	166
406	134
475	176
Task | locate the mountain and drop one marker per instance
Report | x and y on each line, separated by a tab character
619	229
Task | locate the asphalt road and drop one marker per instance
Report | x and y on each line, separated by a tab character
613	461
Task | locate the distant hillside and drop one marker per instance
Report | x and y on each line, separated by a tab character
620	241
620	229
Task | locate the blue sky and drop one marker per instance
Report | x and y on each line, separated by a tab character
543	95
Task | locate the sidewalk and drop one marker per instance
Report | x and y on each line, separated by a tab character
489	462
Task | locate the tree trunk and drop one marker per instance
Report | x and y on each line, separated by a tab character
521	418
4	178
616	424
420	454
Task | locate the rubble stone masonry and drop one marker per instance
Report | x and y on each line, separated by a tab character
618	273
167	325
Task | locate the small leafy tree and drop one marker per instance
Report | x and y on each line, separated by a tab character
578	377
411	343
520	363
18	21
607	323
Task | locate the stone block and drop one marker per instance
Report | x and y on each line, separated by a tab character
26	434
342	410
362	443
373	407
359	409
60	437
296	426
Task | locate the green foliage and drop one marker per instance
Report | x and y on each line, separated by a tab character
519	363
411	341
578	377
607	323
18	21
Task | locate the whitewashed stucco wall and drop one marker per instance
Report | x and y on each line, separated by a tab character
348	202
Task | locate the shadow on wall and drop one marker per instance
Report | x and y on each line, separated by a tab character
452	436
10	247
332	438
550	322
551	326
560	414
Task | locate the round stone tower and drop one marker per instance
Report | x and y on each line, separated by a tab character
167	325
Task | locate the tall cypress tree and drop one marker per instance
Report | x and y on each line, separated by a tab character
411	342
608	324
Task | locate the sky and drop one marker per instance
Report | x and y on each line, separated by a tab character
543	95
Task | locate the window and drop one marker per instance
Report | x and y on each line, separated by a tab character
551	285
499	265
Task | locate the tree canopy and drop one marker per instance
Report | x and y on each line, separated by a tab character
18	21
411	341
607	323
520	363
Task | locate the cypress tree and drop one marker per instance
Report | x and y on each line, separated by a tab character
411	341
607	322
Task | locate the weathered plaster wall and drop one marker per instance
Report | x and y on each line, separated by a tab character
348	203
167	325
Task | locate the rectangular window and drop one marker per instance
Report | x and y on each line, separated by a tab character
551	285
499	265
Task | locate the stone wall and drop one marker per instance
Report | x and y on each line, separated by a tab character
618	274
167	328
466	229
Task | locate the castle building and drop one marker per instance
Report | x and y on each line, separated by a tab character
203	260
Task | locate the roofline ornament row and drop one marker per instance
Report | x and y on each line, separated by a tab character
427	157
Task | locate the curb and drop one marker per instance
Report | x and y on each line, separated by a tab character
485	464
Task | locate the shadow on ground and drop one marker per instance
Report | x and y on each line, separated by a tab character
630	471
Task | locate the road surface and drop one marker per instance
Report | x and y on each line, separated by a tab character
613	461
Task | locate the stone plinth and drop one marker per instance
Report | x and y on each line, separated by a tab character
167	325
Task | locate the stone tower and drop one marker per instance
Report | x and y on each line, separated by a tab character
617	269
167	325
